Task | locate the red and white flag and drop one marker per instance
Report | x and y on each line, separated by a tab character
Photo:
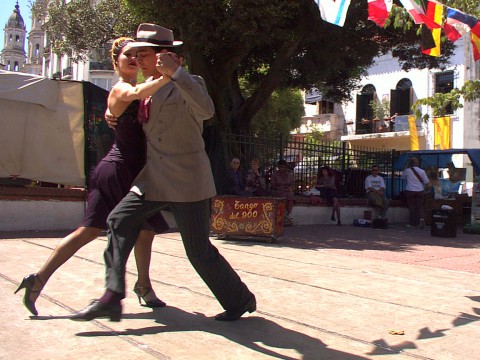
417	10
379	10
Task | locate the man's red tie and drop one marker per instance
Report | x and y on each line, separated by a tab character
144	110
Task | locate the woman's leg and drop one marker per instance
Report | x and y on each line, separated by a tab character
336	206
67	247
290	206
143	255
336	210
332	200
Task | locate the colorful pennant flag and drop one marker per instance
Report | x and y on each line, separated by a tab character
426	39
417	9
441	133
412	127
435	14
378	11
460	21
428	13
475	38
451	33
333	11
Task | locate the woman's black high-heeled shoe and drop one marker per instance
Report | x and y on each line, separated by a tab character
142	292
28	283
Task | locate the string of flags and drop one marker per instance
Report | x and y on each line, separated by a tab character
429	14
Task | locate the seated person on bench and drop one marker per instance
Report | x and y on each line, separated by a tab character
328	189
375	188
255	182
235	183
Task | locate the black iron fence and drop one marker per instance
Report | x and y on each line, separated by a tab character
306	156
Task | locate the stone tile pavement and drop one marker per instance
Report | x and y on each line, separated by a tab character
323	292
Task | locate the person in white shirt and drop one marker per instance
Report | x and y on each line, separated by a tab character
375	188
415	192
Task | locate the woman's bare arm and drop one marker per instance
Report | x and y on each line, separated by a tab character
122	94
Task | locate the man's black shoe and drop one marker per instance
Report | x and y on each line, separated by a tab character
96	309
232	315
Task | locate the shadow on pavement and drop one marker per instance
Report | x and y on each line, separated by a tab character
256	333
396	238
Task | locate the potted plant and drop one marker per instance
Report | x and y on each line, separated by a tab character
381	109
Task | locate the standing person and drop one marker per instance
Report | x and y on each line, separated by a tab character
110	181
375	188
177	174
328	189
416	179
255	182
282	183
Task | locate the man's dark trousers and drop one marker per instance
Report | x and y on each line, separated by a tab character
193	221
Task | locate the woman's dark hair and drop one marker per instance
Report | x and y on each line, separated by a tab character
282	162
328	168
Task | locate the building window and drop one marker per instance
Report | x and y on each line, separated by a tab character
325	107
17	38
15	67
444	82
443	85
9	65
364	111
103	83
401	98
37	49
364	114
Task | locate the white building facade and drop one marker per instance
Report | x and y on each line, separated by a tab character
387	81
39	60
13	56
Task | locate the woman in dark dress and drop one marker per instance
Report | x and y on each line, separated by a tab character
328	189
110	182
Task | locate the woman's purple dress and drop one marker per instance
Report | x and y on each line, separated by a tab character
113	176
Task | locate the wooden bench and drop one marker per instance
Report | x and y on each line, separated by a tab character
306	213
344	202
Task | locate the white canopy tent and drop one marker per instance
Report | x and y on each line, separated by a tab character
42	133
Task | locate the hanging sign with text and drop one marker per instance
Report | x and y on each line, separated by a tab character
248	216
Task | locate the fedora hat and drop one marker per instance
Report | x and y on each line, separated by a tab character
154	35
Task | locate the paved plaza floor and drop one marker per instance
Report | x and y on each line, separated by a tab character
323	292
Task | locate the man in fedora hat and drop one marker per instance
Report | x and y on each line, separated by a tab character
177	174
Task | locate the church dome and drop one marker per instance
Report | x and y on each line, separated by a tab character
15	20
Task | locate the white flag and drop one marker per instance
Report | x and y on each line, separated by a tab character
333	11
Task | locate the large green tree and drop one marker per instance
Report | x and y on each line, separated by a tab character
271	44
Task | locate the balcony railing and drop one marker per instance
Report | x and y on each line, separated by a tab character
100	65
394	124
